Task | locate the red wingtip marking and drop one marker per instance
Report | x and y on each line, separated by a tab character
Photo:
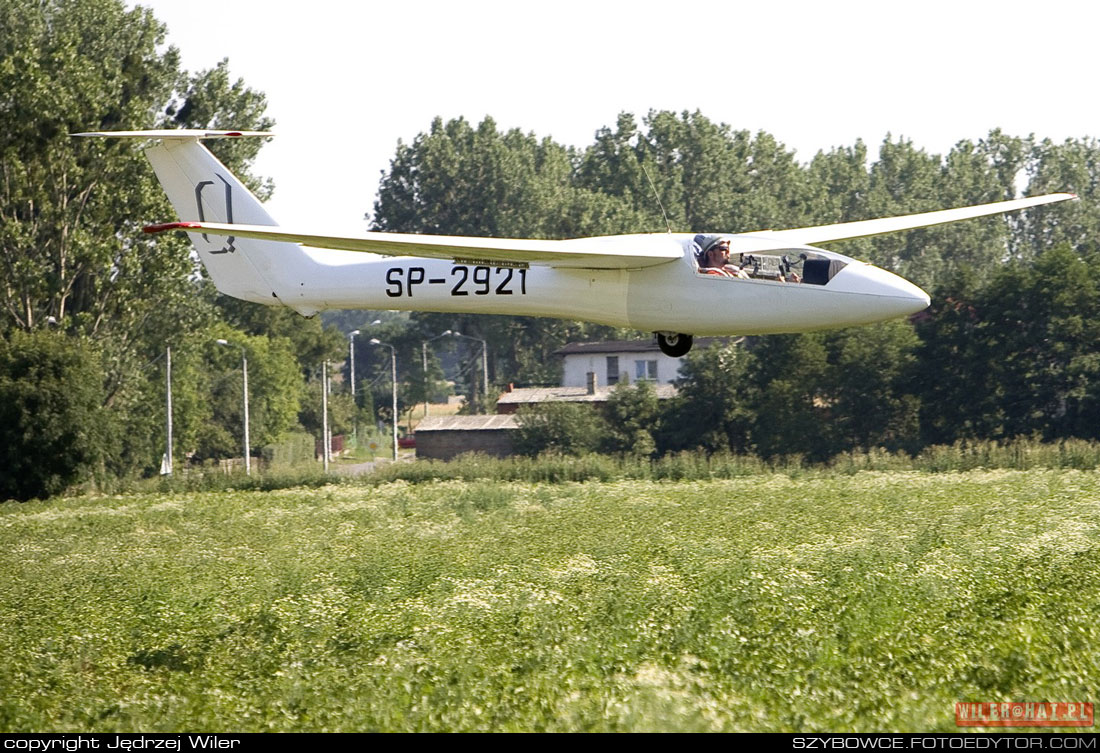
171	226
234	133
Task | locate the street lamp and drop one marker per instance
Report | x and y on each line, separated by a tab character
326	441
168	393
424	363
484	362
393	377
351	357
244	371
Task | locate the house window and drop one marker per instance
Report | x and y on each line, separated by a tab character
645	370
612	370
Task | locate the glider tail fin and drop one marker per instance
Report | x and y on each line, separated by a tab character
201	188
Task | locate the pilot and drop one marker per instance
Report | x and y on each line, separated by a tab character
715	260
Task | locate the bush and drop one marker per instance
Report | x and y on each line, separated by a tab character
52	420
293	449
566	428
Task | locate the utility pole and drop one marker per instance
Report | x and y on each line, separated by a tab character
244	371
393	377
247	444
168	392
351	366
424	365
484	365
324	416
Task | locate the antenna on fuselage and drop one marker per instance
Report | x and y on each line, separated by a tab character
662	206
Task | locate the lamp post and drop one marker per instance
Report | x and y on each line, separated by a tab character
168	393
351	358
484	362
326	443
393	377
424	363
244	371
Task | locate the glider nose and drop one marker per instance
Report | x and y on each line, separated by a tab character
892	295
909	298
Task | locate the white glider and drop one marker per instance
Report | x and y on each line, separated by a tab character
773	282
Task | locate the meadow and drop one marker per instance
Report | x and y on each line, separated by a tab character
863	601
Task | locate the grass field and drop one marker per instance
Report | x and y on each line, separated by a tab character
871	601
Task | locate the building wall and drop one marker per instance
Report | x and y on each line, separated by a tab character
577	365
446	445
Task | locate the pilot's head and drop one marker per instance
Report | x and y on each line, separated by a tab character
717	254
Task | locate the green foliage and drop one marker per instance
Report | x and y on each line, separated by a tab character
711	411
790	396
1010	352
567	428
633	416
877	599
290	450
71	209
53	427
342	412
274	385
556	468
870	379
1017	355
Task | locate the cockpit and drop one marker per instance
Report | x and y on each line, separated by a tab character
718	256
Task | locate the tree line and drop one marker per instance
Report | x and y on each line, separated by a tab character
1013	354
1007	348
89	304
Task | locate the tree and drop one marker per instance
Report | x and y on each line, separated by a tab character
1016	356
956	390
567	428
1073	165
460	180
789	396
71	209
53	426
870	381
711	410
275	392
633	416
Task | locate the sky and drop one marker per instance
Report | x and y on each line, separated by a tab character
346	80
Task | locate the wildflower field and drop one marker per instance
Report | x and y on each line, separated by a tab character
823	602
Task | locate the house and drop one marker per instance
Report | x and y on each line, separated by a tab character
614	361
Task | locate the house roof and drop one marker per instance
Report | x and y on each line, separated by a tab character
467	423
530	395
629	346
609	346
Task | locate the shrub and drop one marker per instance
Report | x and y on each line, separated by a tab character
52	420
567	428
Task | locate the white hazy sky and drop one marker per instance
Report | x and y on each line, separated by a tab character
346	80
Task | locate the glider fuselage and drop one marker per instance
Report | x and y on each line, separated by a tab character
671	297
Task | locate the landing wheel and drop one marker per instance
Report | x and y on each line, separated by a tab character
674	345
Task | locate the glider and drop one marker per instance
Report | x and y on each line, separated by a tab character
674	285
